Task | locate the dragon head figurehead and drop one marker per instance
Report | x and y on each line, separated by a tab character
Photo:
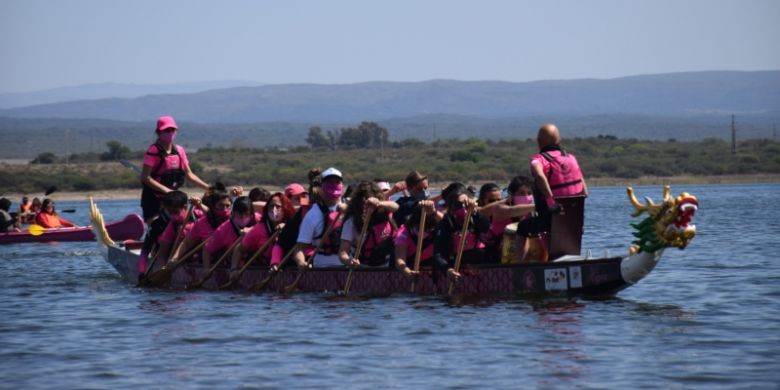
667	224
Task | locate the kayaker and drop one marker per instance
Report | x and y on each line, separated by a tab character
378	244
48	217
35	208
278	210
323	213
242	218
25	213
165	168
219	204
173	203
448	231
7	222
408	234
557	173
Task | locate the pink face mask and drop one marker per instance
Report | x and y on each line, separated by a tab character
523	199
242	221
167	136
180	217
222	215
333	190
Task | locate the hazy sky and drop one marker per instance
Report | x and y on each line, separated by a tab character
46	44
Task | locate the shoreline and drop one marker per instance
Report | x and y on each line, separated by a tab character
135	193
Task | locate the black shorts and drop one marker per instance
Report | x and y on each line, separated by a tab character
150	203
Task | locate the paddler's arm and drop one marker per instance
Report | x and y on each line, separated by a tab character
194	179
187	244
507	211
542	184
147	180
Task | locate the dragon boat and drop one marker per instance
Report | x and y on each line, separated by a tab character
667	224
129	228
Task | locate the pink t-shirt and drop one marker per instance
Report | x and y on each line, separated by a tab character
172	161
222	238
168	235
403	239
255	238
201	230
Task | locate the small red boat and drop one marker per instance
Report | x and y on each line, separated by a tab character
129	228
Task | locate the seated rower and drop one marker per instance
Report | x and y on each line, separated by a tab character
409	234
288	238
448	232
218	204
7	222
242	218
172	203
278	210
518	205
179	226
48	217
378	243
297	195
325	212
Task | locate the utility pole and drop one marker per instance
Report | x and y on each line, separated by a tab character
733	136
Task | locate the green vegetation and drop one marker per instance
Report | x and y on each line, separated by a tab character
444	160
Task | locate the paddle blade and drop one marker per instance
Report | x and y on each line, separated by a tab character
50	190
36	230
69	211
130	165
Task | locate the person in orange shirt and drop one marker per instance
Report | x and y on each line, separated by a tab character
48	217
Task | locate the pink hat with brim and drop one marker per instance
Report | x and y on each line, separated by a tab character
166	122
294	189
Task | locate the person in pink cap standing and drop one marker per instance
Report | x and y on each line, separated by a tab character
165	168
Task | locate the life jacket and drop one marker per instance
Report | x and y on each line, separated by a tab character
565	176
427	245
330	244
269	231
379	243
473	241
168	171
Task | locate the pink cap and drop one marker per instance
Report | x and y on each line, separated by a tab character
294	189
166	122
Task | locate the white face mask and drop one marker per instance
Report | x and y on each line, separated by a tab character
276	215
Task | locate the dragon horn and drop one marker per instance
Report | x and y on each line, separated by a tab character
667	193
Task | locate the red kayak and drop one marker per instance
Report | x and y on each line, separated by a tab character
130	228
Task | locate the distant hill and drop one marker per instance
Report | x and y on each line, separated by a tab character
676	94
111	90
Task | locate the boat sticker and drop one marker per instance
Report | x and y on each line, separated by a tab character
575	277
555	279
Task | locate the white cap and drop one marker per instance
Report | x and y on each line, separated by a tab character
383	185
331	172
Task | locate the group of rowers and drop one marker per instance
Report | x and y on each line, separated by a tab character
36	212
322	225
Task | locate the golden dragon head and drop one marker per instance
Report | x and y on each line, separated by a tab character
668	224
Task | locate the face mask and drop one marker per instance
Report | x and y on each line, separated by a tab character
242	221
334	191
523	199
276	215
180	217
460	214
167	136
222	215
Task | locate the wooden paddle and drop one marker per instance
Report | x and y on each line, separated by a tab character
461	244
259	286
361	241
249	262
224	256
163	275
290	288
418	253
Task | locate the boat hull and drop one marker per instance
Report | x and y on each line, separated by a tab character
579	276
129	228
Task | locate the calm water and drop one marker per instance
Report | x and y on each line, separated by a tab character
707	317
